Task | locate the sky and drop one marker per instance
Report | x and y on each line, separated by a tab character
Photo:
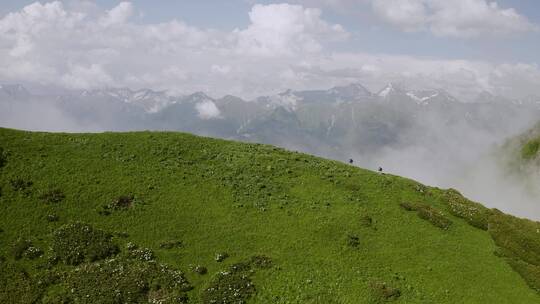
250	48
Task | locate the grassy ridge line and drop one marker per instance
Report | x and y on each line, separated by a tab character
334	233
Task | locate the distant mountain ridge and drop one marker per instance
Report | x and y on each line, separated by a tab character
330	123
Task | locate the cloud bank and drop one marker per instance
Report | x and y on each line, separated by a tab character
283	46
456	18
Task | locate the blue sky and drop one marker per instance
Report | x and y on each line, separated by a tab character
486	41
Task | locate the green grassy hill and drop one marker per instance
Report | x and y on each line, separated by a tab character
523	150
175	218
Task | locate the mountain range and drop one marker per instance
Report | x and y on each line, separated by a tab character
324	116
340	123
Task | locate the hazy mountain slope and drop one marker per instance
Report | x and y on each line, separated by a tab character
520	156
305	229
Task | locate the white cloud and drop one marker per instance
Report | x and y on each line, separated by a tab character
207	110
118	15
81	77
284	46
221	69
409	15
456	18
285	29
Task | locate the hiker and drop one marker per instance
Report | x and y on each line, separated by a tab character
380	169
351	161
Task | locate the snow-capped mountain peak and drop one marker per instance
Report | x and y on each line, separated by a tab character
151	101
389	90
424	97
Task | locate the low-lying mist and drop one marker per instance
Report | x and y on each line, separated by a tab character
475	168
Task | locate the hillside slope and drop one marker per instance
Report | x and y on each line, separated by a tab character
94	218
520	157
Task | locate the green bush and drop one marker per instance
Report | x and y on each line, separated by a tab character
52	218
200	270
143	255
519	238
128	281
408	206
19	247
78	242
220	257
474	213
529	272
234	285
366	221
121	203
383	293
53	196
33	252
170	244
353	240
429	214
20	184
261	261
3	157
434	216
231	286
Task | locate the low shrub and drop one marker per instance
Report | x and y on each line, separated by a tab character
234	285
366	221
529	272
170	244
231	286
261	261
475	214
143	255
518	238
121	234
32	252
421	189
429	214
53	196
76	243
52	218
200	269
19	247
220	257
382	292
3	157
128	281
131	246
434	216
121	203
408	206
353	240
20	184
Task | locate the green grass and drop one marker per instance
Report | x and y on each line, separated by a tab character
323	231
